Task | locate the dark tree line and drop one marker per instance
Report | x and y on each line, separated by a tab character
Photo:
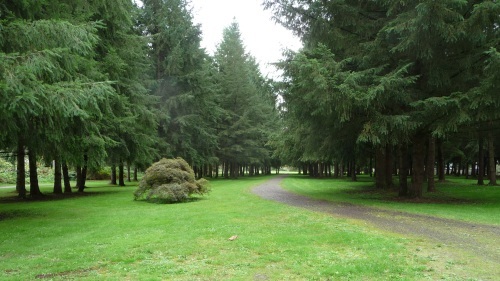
405	87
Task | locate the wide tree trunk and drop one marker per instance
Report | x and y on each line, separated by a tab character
480	162
418	174
429	168
57	176
404	165
21	170
34	186
121	174
67	183
492	171
113	174
380	168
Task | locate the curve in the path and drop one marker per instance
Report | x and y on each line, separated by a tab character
480	239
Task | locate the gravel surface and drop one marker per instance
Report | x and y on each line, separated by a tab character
477	239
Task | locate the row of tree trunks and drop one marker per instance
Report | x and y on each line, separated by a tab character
121	174
33	174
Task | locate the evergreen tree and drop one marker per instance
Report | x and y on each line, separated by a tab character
183	82
246	103
47	77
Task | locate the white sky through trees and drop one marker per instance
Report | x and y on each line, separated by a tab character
262	37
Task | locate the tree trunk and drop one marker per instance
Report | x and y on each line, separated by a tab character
135	173
34	186
429	168
492	172
78	171
440	161
121	174
418	174
83	174
67	183
388	167
128	172
403	170
84	170
336	170
371	167
113	174
57	176
380	168
480	162
21	170
353	170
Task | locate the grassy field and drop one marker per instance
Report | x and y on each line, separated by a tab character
457	198
105	235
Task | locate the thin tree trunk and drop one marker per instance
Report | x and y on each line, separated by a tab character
388	167
492	172
403	170
78	171
380	168
128	172
135	173
67	183
336	170
34	186
418	174
353	170
121	174
371	167
113	174
83	174
429	168
57	176
21	170
480	162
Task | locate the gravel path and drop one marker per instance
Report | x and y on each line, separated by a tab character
480	240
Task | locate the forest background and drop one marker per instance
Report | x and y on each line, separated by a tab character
398	86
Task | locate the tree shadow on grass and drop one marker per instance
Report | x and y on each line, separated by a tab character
164	202
52	197
391	195
15	214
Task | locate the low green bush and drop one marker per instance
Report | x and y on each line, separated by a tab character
100	173
170	181
7	171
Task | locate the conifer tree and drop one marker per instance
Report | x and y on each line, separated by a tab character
47	76
183	82
247	107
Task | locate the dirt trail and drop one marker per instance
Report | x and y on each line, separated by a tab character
479	240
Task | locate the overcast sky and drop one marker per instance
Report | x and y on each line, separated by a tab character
263	39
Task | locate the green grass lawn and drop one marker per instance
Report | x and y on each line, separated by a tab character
105	235
457	198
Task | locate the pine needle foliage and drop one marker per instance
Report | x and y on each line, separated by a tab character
170	181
